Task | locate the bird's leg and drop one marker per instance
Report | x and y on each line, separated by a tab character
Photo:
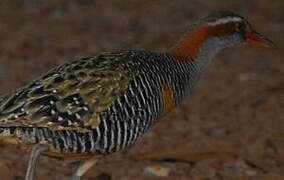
83	167
36	150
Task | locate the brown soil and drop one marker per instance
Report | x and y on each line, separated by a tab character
232	127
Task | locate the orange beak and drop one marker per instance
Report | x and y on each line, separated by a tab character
255	38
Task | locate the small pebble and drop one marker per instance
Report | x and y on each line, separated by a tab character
156	171
248	77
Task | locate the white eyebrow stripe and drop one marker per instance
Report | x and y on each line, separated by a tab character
225	20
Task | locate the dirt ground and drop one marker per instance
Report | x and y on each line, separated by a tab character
232	127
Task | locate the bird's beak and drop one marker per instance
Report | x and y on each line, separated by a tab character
255	38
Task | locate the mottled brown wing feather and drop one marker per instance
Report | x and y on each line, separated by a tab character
71	96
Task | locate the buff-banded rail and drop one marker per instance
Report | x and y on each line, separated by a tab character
95	106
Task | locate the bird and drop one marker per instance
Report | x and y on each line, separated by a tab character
94	106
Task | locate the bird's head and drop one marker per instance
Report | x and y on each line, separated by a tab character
225	24
219	30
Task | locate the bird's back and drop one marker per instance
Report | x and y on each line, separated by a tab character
94	105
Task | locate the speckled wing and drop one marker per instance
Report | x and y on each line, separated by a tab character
71	96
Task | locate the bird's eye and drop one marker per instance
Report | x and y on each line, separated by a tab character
240	27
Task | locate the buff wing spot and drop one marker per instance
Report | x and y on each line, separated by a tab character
167	96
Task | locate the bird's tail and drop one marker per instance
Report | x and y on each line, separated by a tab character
7	136
16	135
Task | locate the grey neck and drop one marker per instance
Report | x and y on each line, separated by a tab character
193	69
213	46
